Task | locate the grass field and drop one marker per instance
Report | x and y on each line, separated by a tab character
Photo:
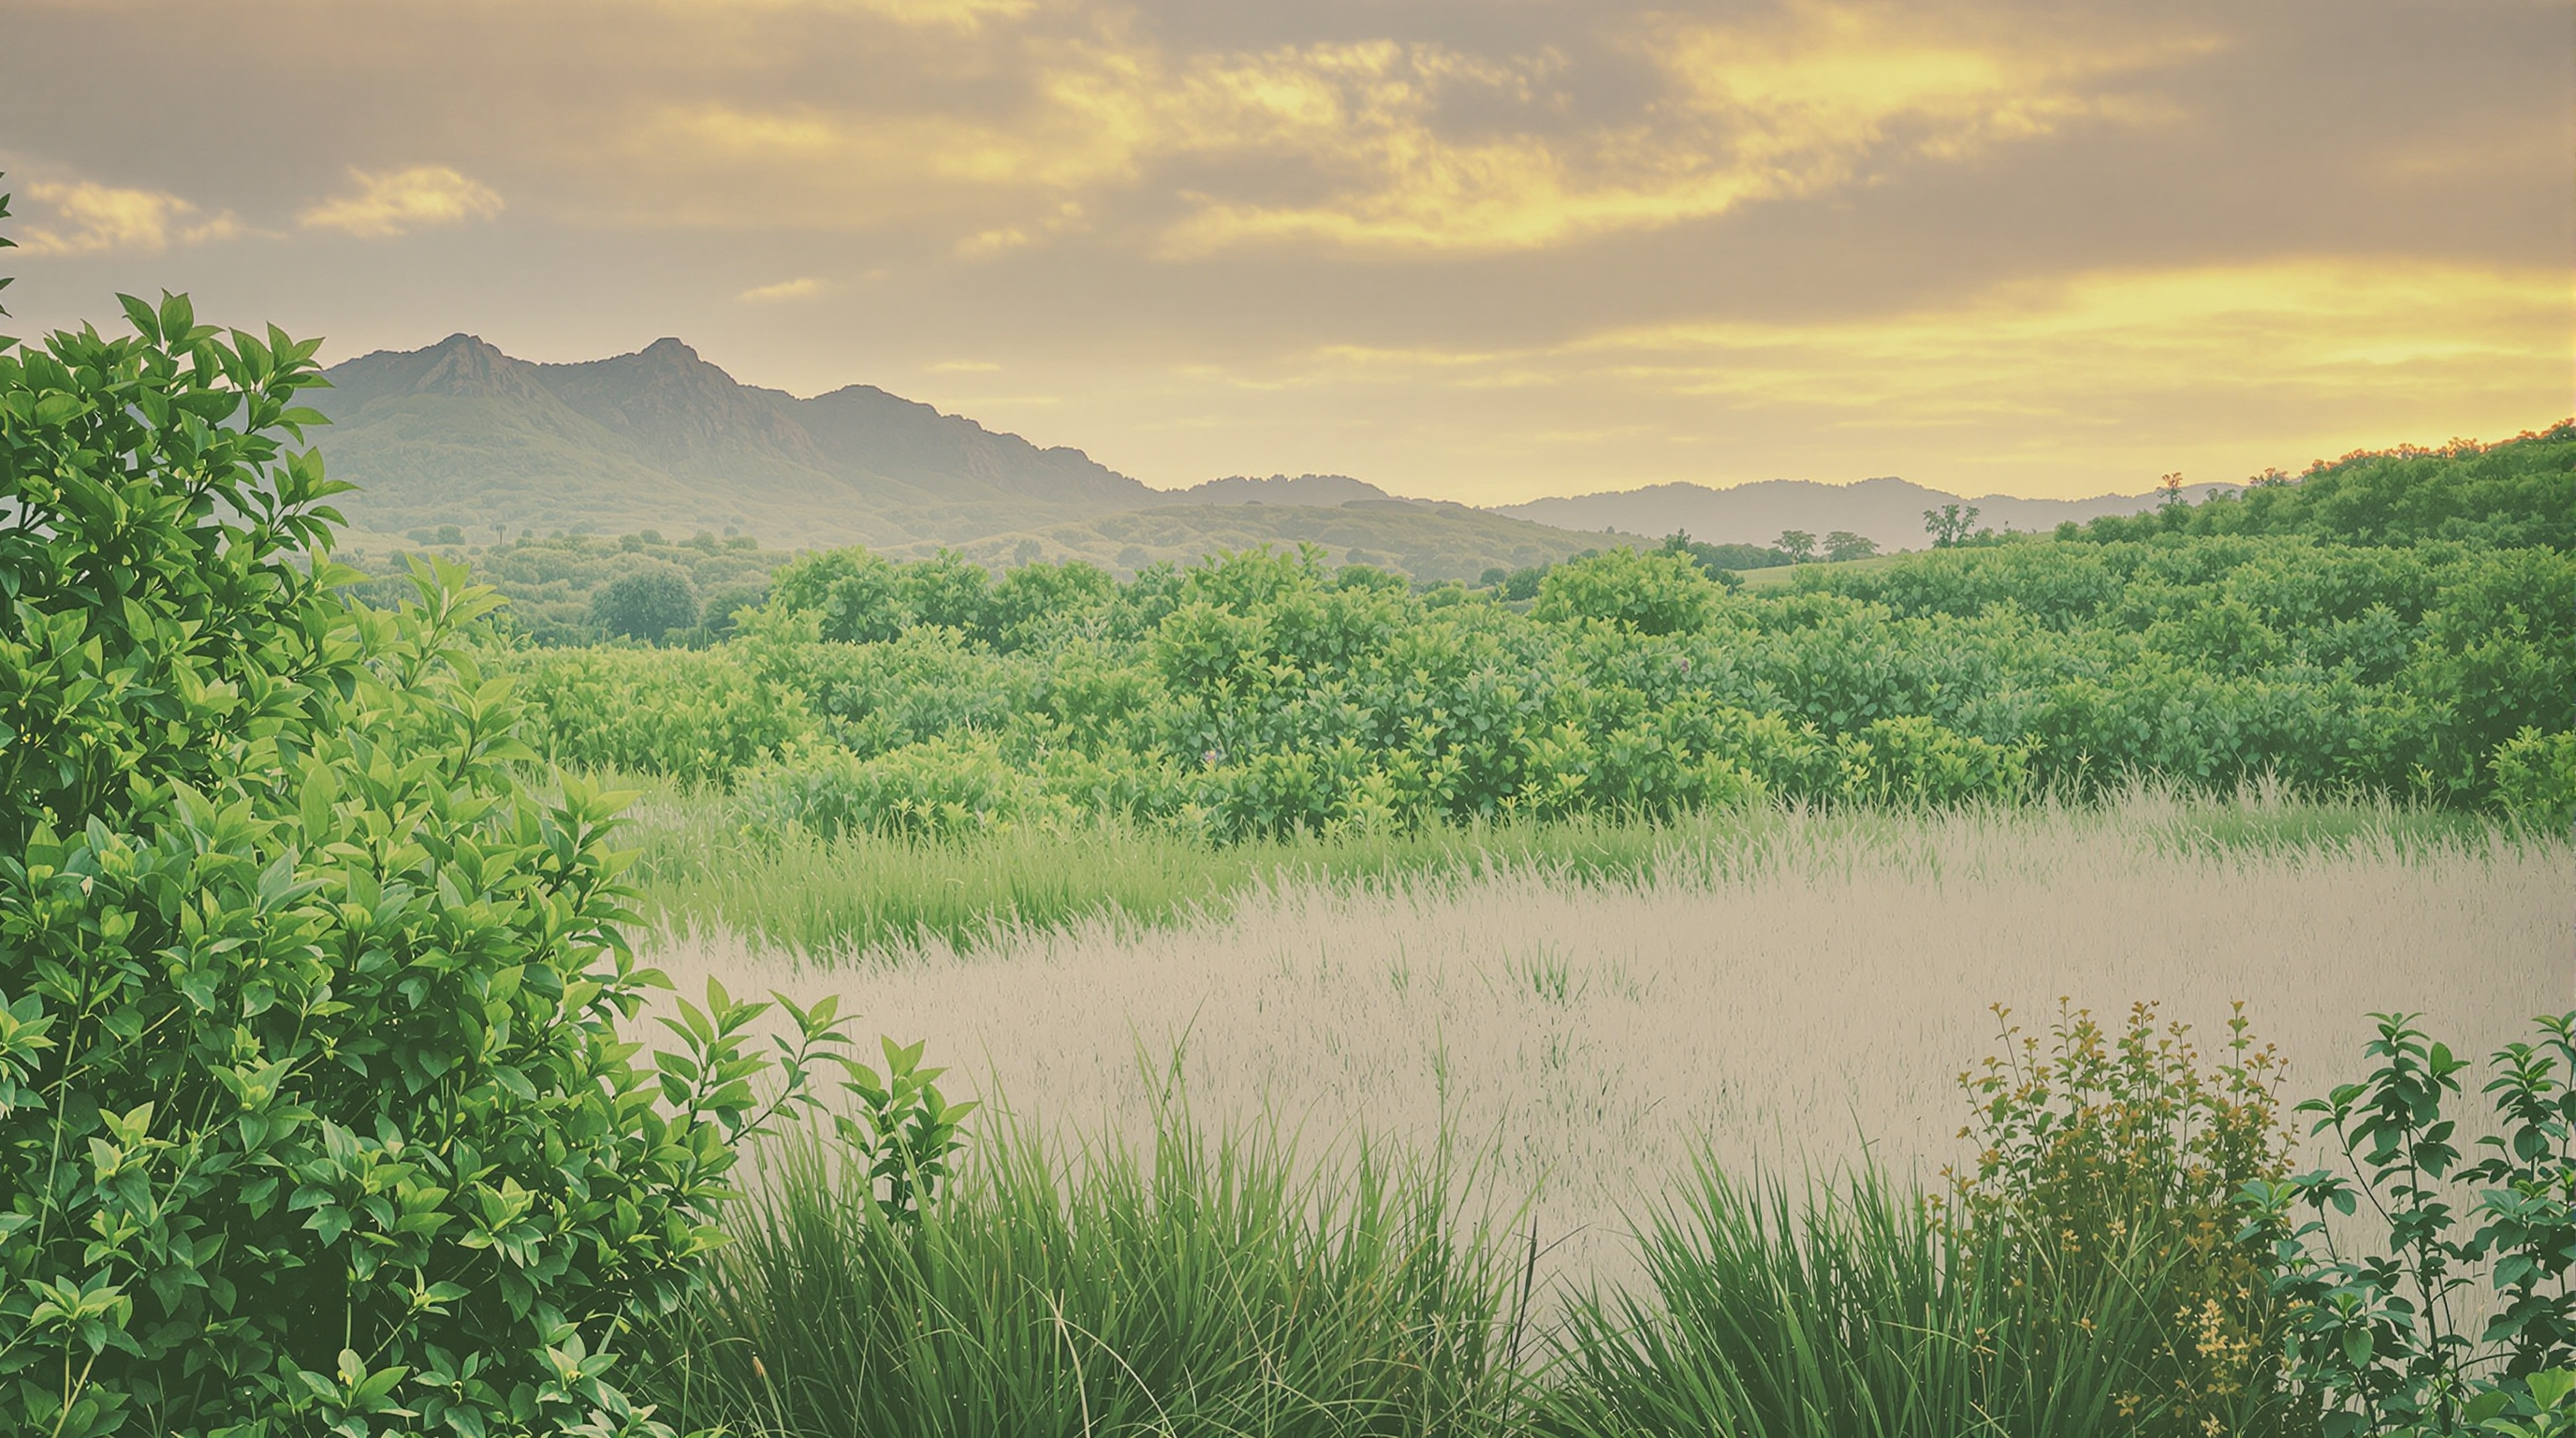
1578	1017
830	898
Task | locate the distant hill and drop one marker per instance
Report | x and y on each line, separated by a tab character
460	433
1889	511
461	437
1322	489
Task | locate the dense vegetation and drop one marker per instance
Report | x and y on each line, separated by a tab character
2131	1254
316	1111
321	1109
1264	693
2516	494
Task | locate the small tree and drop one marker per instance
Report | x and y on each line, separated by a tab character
1649	593
1949	525
1843	545
1798	544
646	604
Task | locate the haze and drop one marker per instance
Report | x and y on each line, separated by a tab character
1477	252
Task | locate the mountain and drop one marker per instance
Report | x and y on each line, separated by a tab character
1312	489
1889	511
460	434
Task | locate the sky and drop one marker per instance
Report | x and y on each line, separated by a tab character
1483	250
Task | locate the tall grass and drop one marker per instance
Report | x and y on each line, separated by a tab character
1201	1286
702	868
1205	1287
1844	1314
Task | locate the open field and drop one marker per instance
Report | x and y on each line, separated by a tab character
1818	986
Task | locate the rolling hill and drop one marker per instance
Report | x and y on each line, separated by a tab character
460	434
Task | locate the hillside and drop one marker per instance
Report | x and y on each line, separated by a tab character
461	436
1889	511
460	433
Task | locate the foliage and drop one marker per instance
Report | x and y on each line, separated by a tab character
646	604
1720	559
693	715
554	583
2097	1153
2515	494
1205	1285
314	1105
1263	691
1843	546
2385	1341
1950	525
1647	593
2535	778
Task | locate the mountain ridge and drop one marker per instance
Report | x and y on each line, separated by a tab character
461	433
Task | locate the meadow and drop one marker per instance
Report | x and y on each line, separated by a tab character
1785	992
1513	1055
1319	1003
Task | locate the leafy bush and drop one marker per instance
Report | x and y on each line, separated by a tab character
2104	1158
940	789
315	1111
2521	492
2384	1341
1649	593
647	604
2535	778
700	716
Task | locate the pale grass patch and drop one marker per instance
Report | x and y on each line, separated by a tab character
1821	994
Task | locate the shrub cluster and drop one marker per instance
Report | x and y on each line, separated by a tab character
2116	1160
1261	693
2515	494
317	1112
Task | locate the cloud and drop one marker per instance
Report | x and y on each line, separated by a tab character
398	201
1409	146
962	15
1799	105
89	216
2413	333
797	289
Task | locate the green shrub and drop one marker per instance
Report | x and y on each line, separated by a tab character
700	716
314	1106
938	789
1263	692
2382	1337
647	604
1656	593
1913	760
2103	1157
2535	778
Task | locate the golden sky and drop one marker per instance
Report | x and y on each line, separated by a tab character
1474	249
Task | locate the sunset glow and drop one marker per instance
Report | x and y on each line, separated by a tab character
1460	252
